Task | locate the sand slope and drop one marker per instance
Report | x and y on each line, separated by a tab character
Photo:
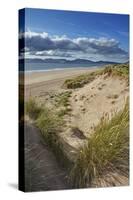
90	103
102	97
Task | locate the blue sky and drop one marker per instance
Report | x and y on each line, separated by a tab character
71	35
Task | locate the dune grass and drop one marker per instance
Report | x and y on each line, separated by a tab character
64	111
32	108
121	70
62	103
62	99
108	148
81	80
50	123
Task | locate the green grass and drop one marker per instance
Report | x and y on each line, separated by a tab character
62	102
33	109
121	70
62	99
64	111
50	124
108	148
81	80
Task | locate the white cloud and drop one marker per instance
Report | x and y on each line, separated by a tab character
42	44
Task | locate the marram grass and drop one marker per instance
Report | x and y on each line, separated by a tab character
107	149
32	108
50	123
120	70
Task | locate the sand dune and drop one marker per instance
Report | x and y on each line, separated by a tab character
90	103
102	97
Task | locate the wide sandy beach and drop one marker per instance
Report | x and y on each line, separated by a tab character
38	84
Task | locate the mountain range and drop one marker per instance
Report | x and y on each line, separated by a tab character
65	61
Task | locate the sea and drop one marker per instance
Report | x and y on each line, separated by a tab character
38	67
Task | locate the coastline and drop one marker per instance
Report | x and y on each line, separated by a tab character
37	84
36	76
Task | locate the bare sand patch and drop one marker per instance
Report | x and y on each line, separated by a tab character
90	103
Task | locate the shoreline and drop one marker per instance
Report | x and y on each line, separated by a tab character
59	69
40	83
32	77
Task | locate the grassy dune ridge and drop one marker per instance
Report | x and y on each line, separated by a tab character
121	70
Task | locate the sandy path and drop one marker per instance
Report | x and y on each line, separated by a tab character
42	171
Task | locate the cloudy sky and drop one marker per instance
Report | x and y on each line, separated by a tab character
72	35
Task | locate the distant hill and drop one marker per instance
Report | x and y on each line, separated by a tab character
64	61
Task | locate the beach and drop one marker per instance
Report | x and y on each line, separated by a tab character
39	83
